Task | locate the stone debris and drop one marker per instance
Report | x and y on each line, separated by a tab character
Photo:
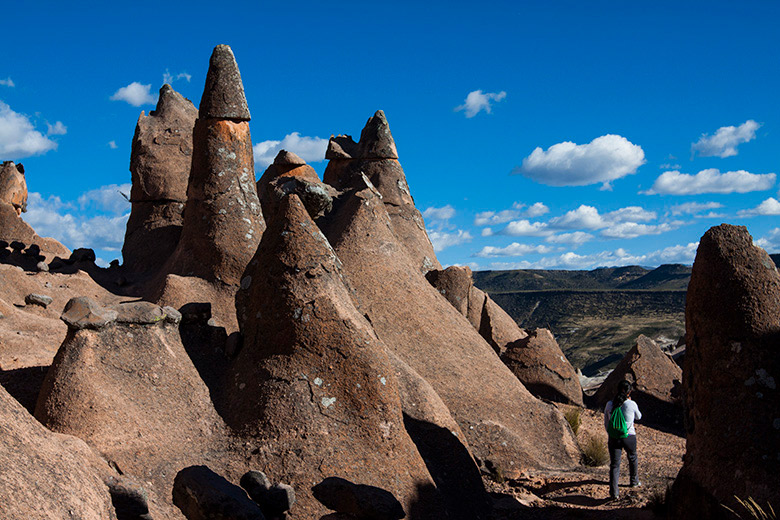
358	500
41	300
202	494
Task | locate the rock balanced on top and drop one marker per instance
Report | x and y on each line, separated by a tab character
223	221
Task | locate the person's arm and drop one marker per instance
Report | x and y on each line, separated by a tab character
607	410
637	413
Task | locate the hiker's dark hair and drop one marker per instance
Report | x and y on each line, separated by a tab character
623	389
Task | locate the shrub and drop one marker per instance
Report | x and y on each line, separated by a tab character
594	452
753	509
573	417
658	500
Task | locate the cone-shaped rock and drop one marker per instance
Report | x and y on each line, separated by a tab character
375	156
223	221
656	379
493	323
13	186
731	374
539	363
223	97
312	379
290	174
123	382
45	475
160	163
503	422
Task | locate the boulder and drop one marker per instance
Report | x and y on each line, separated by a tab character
290	174
539	363
46	475
491	321
375	156
502	421
223	221
656	379
42	300
13	186
730	378
202	494
160	162
359	500
129	389
312	379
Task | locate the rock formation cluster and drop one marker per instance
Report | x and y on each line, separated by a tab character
302	332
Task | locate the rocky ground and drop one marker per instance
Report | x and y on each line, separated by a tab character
584	493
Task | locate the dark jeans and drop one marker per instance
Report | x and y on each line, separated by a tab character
615	452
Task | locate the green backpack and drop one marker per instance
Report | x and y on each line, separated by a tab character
617	427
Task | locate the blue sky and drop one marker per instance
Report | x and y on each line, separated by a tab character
533	134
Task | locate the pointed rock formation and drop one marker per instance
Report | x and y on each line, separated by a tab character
375	156
502	421
45	475
730	378
122	381
223	221
290	174
312	382
13	186
160	163
14	229
656	379
491	321
539	363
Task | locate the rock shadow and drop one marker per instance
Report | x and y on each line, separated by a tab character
24	384
452	468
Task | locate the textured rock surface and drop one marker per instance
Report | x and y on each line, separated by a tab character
539	363
45	476
160	163
312	379
657	382
201	494
358	500
503	422
131	392
730	377
491	321
13	186
375	156
223	221
290	174
14	229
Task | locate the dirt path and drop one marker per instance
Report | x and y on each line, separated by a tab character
584	493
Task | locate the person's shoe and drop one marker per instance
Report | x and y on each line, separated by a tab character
636	484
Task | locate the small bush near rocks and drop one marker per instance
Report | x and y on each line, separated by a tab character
594	452
573	417
754	511
658	501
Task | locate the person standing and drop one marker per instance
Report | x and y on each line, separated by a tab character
619	416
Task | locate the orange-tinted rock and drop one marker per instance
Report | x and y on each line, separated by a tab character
730	378
656	379
13	186
493	323
502	421
290	174
375	156
45	475
160	163
312	380
131	392
539	363
223	221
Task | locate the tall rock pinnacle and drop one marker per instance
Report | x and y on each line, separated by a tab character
376	157
160	163
223	221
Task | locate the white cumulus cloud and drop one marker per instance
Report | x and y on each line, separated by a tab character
112	145
136	94
525	228
18	136
170	78
603	160
770	206
491	218
513	249
8	82
112	198
537	209
726	139
54	218
442	240
443	213
584	217
56	129
634	230
310	149
477	101
710	180
693	208
770	242
576	238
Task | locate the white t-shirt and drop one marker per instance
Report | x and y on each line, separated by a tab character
630	411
